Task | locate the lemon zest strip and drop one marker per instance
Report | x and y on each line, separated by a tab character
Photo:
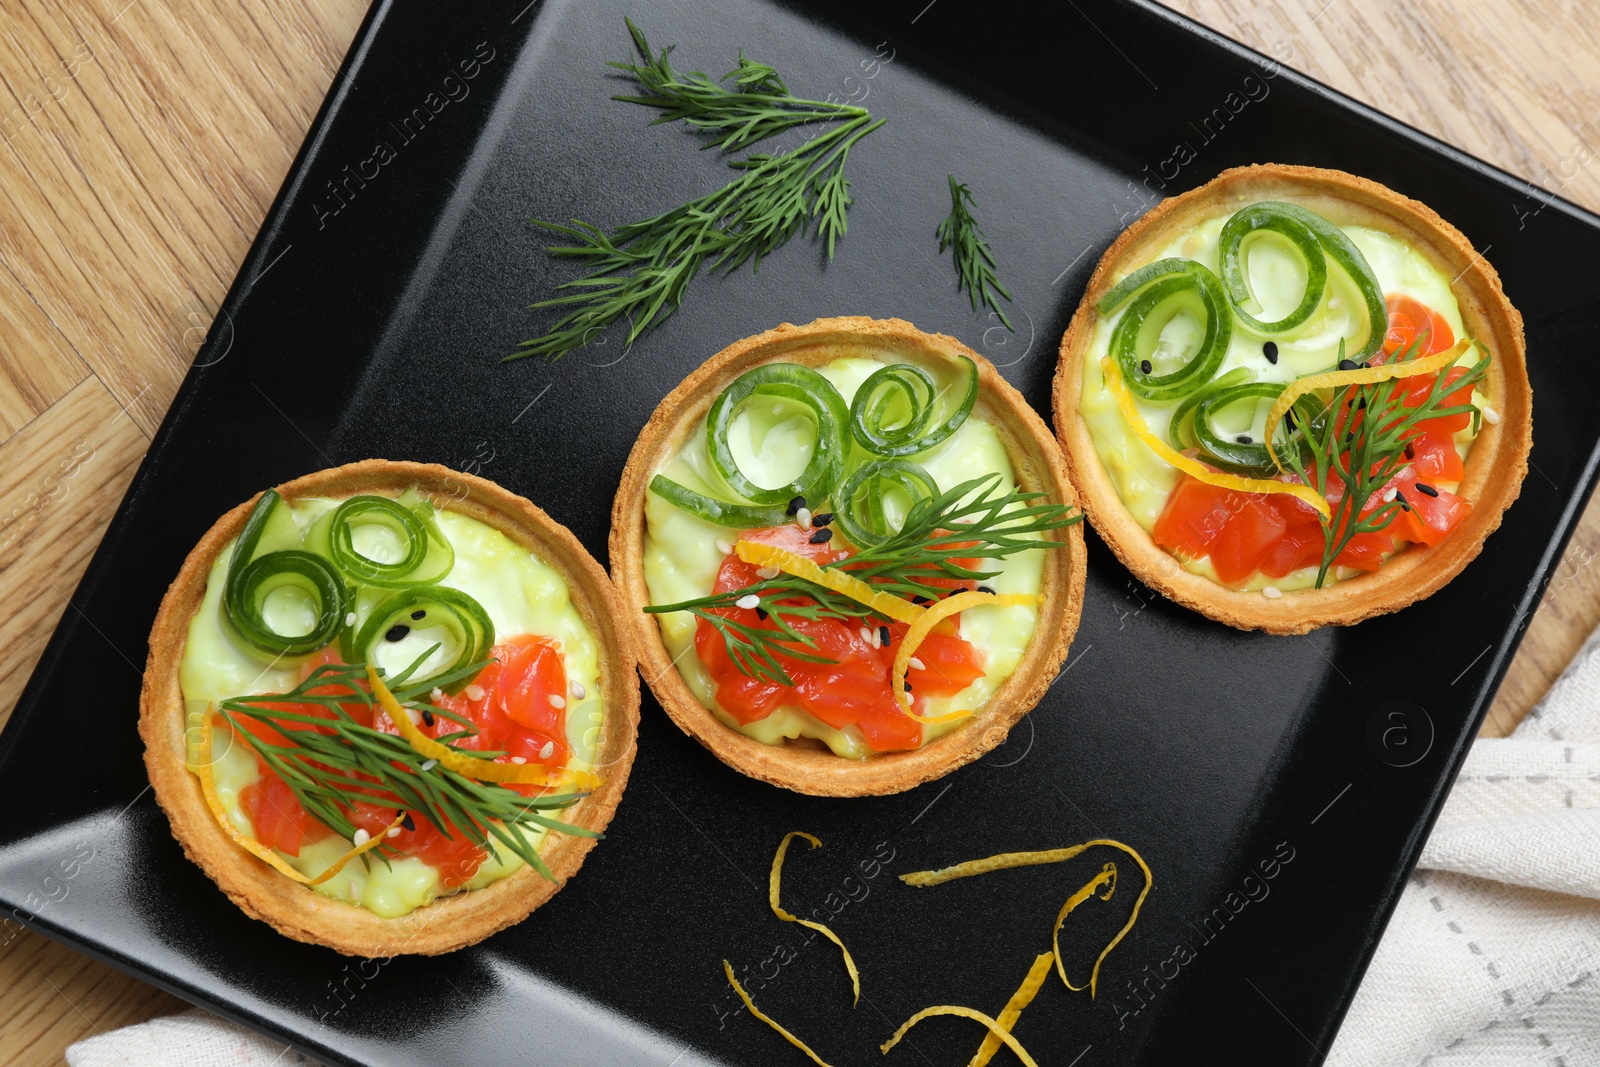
1338	379
757	1012
1108	878
1013	1010
1193	467
798	566
1008	860
480	770
773	883
966	1013
208	786
931	616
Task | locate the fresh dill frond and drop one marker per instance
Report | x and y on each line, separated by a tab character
975	270
1357	444
971	521
641	270
331	762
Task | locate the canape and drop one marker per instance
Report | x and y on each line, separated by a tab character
1293	397
851	556
389	707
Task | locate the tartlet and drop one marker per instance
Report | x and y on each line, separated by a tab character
449	922
802	765
1494	469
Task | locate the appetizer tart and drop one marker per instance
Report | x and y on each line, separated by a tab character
388	707
851	555
1294	398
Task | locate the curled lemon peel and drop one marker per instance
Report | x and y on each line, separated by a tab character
208	786
1193	467
775	881
480	770
932	616
966	1013
1008	860
798	566
1338	379
1013	1010
1108	878
757	1012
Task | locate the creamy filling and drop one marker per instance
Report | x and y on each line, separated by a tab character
521	595
1277	277
772	443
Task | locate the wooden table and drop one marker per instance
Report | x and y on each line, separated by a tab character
143	142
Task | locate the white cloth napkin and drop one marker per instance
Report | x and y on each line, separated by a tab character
1492	958
192	1038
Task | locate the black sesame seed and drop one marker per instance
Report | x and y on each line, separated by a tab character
1405	505
1424	487
920	600
419	614
908	685
1411	451
822	520
986	589
883	635
1243	439
406	821
795	505
397	633
1347	364
1144	366
1270	350
761	613
821	537
427	717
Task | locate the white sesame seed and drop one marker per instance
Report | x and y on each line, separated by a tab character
414	715
518	759
1271	592
866	635
917	664
1390	494
350	618
394	831
1491	416
557	700
548	750
437	695
429	765
877	636
767	572
748	601
723	546
803	517
361	838
578	691
474	692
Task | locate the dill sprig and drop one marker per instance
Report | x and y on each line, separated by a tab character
1363	458
975	270
972	521
640	271
331	762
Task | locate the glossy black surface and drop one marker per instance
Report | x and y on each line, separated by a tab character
369	321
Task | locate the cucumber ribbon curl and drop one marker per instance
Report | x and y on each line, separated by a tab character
327	569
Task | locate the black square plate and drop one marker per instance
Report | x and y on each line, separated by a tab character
1279	786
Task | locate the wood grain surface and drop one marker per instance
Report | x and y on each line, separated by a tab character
144	139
